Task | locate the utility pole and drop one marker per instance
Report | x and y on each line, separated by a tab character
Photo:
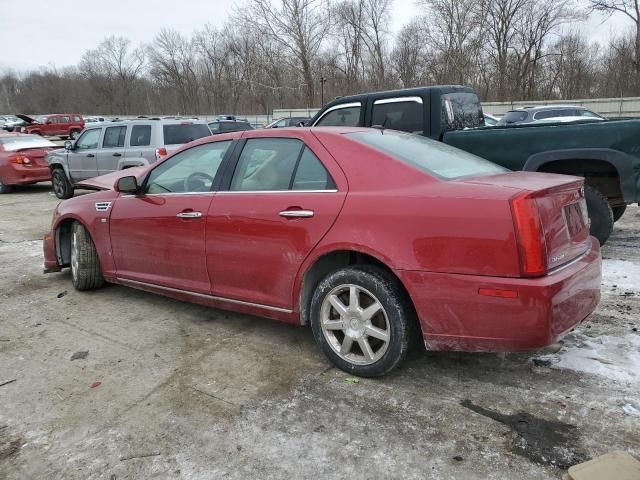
322	82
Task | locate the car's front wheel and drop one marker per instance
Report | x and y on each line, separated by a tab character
361	321
85	265
61	185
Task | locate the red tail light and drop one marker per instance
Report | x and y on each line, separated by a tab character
161	152
529	236
21	160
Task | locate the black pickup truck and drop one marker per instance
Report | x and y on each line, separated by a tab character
605	153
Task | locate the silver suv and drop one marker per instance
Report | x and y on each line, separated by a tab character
106	147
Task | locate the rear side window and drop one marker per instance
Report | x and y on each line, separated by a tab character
140	136
341	117
266	164
460	110
114	137
64	119
428	155
180	133
406	115
310	174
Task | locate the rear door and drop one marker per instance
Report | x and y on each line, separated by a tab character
283	196
112	150
82	160
158	237
139	142
64	123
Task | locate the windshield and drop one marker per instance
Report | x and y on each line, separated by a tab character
428	155
12	144
180	133
516	116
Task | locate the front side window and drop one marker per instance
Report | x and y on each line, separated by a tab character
341	117
407	116
114	137
192	170
436	158
89	139
266	164
140	136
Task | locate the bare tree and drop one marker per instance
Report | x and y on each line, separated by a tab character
298	26
377	18
410	53
630	9
114	68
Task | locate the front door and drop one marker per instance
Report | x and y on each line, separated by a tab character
112	151
280	203
82	158
158	237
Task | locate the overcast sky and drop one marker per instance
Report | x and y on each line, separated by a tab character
36	33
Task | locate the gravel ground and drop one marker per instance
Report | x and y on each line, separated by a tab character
172	390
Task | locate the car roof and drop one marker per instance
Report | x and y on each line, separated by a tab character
546	107
155	120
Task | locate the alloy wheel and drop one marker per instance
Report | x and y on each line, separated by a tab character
355	324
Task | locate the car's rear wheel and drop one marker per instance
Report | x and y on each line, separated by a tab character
361	321
600	214
4	188
618	212
85	265
61	185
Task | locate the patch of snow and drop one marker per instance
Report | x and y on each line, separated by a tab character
623	274
631	410
615	358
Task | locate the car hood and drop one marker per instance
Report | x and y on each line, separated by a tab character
108	181
27	118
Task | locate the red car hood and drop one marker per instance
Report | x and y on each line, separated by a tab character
108	181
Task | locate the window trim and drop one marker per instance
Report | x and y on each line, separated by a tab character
383	101
338	107
104	137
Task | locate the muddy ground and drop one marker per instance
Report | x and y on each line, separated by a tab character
172	390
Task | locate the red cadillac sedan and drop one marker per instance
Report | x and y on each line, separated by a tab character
22	160
370	236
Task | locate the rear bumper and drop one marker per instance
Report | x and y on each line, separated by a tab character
19	175
454	316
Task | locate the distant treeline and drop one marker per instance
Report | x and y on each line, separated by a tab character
280	54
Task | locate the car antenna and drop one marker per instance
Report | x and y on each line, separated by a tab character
381	127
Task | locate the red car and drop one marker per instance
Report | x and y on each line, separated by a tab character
65	125
22	160
369	235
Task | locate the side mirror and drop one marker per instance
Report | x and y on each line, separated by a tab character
127	185
68	145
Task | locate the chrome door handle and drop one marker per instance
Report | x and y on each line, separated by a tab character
189	215
296	213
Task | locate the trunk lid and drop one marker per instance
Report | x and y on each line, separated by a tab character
561	207
36	155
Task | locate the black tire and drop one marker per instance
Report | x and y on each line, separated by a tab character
394	320
61	185
85	265
4	188
600	214
618	212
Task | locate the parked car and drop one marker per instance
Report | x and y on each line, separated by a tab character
94	119
531	114
66	125
490	120
358	232
7	118
568	120
106	147
13	124
289	122
225	126
22	160
605	153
